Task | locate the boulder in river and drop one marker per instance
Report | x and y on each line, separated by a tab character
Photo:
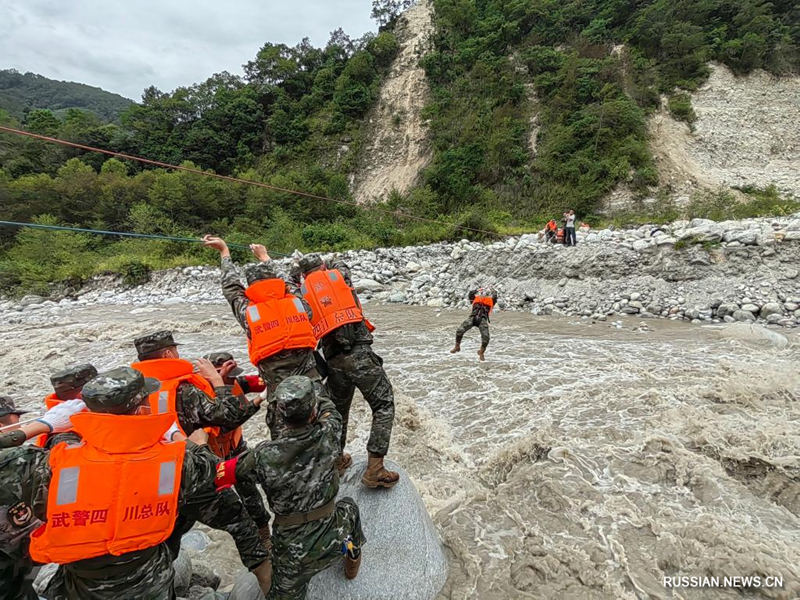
403	558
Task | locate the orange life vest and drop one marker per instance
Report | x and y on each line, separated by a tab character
485	300
332	301
172	372
276	321
223	444
116	492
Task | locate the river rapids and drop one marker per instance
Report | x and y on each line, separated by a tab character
581	460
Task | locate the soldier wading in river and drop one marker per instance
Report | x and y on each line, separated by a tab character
483	302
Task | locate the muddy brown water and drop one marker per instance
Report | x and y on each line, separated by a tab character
581	460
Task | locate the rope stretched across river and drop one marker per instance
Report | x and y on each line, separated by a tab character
148	236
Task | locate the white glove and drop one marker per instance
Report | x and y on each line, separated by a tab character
58	417
173	429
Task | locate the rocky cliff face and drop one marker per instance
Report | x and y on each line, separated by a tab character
746	133
397	144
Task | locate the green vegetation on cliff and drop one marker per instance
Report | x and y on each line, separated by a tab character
590	69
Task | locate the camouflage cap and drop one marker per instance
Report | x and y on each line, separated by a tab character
220	358
118	391
72	378
310	262
259	271
153	342
7	407
295	398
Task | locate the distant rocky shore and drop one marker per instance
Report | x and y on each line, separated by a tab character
699	270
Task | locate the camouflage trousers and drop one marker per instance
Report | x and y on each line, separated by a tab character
147	575
482	325
275	369
363	369
239	524
299	552
247	488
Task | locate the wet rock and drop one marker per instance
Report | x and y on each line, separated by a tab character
403	556
363	285
197	592
44	576
195	540
245	587
743	315
204	576
183	573
755	334
771	308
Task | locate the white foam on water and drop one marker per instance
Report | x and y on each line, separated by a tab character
579	461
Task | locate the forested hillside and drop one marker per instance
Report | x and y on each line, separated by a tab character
592	70
20	92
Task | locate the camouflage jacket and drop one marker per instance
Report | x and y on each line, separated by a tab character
342	339
233	290
196	410
480	311
297	471
24	480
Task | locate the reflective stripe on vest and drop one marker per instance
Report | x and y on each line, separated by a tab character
332	301
68	486
276	321
117	492
171	372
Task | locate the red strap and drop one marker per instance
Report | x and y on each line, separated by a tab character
226	474
370	326
255	384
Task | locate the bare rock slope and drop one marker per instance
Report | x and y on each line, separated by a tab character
746	134
397	147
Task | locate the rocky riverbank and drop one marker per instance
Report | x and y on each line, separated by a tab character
699	270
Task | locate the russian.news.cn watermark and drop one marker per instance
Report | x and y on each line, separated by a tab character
741	582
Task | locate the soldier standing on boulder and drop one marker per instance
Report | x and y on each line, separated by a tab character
482	304
345	340
298	474
104	509
277	323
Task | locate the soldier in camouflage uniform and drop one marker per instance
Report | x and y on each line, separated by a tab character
195	410
479	317
9	413
247	487
67	385
276	368
25	474
351	363
298	473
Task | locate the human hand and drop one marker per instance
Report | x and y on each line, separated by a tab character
57	418
206	370
226	368
199	437
259	400
172	432
260	252
217	243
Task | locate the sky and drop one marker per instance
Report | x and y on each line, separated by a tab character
124	47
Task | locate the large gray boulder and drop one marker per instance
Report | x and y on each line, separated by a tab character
403	558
